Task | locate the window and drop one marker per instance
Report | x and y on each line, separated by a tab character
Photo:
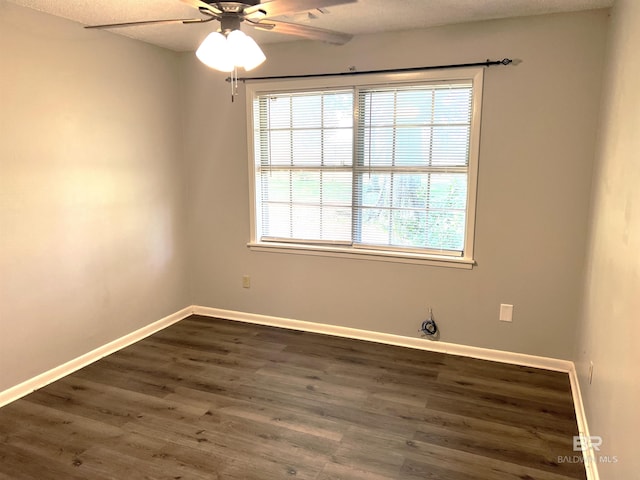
385	167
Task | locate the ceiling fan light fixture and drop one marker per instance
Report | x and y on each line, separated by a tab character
224	53
215	53
245	51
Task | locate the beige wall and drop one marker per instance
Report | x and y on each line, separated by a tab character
536	158
610	323
91	190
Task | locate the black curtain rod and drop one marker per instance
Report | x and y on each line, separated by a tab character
488	63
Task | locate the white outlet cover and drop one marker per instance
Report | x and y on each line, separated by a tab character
506	312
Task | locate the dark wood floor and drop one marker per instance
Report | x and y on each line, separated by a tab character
214	399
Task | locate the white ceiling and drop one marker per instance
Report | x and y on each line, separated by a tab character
365	16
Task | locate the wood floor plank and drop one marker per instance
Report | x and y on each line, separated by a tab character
27	464
216	399
498	414
337	471
521	389
310	424
430	458
530	452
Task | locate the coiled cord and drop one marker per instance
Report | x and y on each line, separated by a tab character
429	326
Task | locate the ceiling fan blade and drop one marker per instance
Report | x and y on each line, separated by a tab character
152	22
275	8
199	4
305	31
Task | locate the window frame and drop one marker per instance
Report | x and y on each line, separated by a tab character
391	254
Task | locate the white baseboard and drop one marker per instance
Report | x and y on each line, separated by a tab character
39	381
588	452
390	339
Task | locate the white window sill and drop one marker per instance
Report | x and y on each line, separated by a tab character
364	254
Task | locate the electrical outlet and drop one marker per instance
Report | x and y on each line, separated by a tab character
246	281
506	312
590	372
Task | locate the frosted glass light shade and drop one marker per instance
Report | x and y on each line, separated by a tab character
225	53
245	51
215	53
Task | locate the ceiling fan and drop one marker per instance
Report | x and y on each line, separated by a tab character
256	13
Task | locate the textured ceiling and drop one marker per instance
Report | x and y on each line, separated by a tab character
365	16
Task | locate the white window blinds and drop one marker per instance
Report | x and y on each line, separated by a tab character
368	167
412	152
304	166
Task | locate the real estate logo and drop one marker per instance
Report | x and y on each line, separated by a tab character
589	445
582	442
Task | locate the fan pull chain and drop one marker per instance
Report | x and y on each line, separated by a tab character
233	80
234	84
235	91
